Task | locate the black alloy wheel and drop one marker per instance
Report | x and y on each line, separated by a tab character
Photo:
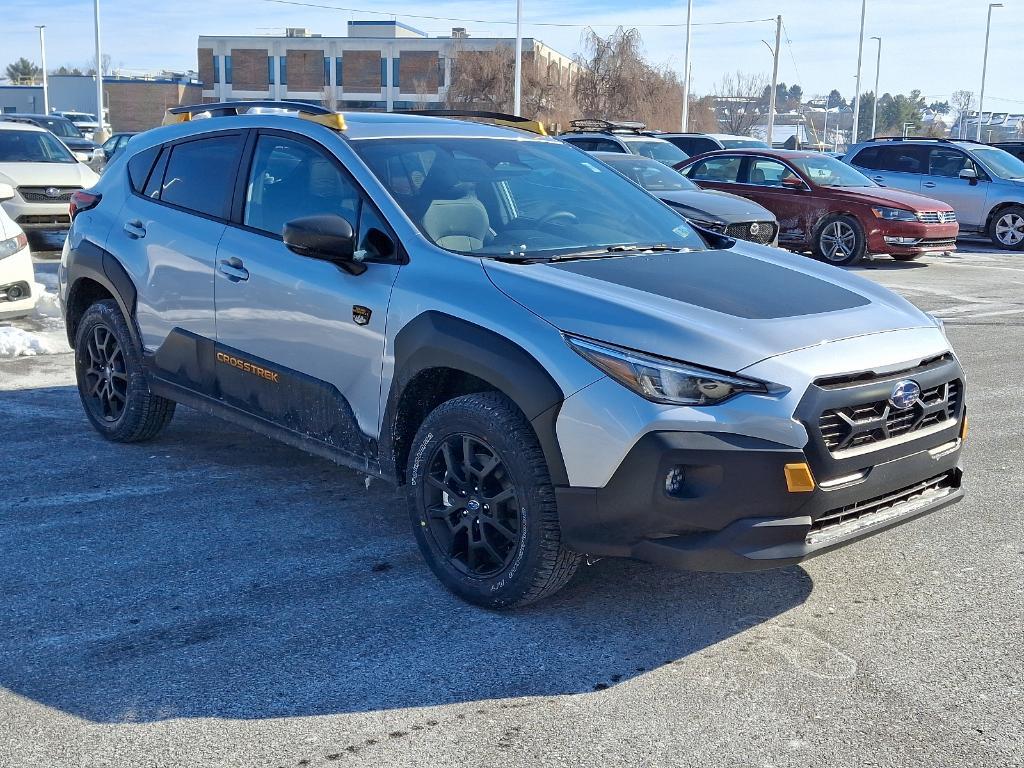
106	375
472	506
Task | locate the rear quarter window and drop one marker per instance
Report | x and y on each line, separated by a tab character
140	166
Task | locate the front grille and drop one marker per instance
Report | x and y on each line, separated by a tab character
763	231
36	220
936	217
849	427
40	194
937	242
839	521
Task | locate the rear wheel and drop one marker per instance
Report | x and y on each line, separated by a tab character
840	240
111	382
482	504
1006	229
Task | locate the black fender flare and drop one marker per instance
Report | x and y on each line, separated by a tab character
438	340
89	261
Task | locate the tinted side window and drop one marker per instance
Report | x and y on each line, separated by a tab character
139	166
605	145
201	174
947	162
768	173
716	169
896	158
156	178
291	179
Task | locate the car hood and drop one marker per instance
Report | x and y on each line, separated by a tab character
724	309
47	174
721	205
890	196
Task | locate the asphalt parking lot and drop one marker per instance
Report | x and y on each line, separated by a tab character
216	599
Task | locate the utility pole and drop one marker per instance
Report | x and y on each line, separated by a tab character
860	57
824	128
686	68
519	58
42	53
984	67
775	78
101	130
878	68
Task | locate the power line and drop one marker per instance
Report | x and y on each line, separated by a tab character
493	21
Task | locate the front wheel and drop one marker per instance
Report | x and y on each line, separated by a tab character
840	240
1006	229
482	504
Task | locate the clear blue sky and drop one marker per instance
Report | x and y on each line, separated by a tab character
934	45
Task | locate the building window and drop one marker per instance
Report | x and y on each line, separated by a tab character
216	69
383	73
284	69
337	70
327	71
227	69
440	73
394	72
270	70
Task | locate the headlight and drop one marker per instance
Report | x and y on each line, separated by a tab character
660	380
894	214
12	245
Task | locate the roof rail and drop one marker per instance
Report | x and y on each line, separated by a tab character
312	112
940	139
498	118
605	126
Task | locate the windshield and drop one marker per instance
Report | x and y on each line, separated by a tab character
826	171
741	143
1001	162
659	149
60	127
649	174
32	147
80	117
524	198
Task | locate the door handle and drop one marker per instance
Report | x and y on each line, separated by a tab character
134	230
233	269
928	184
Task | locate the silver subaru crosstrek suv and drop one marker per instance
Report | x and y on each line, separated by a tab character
550	361
984	184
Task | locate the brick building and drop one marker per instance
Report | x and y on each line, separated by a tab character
379	64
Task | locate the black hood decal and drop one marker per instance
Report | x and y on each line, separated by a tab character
723	281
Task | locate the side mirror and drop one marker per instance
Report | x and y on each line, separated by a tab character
792	182
969	173
327	237
6	192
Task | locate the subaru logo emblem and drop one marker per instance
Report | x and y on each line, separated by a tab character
905	394
473	505
755	228
52	192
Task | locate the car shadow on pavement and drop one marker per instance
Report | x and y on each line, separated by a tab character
214	573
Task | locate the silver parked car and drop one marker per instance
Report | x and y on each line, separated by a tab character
550	361
984	184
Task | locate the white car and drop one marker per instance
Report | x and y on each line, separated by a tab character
83	121
44	175
17	279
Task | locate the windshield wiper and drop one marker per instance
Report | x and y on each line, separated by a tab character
617	250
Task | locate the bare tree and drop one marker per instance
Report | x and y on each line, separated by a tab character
616	81
736	97
961	101
702	115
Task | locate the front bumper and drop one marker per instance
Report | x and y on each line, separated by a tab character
732	510
912	238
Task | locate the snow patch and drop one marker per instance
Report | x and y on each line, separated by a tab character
14	342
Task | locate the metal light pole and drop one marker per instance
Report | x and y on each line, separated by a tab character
518	98
878	69
775	78
686	68
101	131
984	67
42	54
860	57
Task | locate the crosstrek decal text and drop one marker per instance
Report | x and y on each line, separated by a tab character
244	365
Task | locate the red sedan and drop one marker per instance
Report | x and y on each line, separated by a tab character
827	207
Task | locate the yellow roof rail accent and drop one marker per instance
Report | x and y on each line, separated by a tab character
494	118
172	119
334	120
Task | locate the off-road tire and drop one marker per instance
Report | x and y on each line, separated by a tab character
826	230
141	415
539	565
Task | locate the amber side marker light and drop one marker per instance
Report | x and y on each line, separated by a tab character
799	478
963	428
